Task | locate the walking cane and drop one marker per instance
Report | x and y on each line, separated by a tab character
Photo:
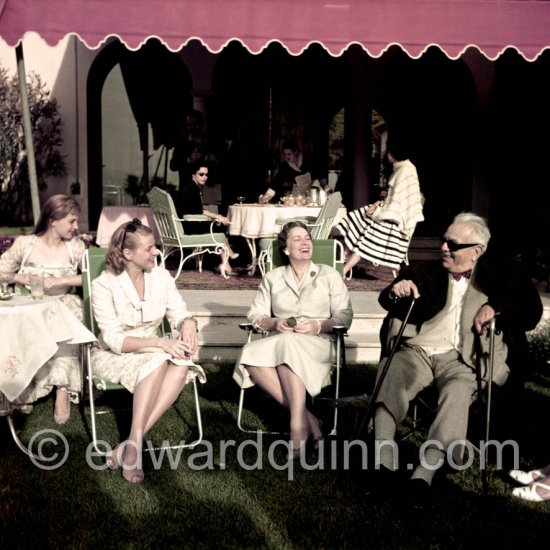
372	401
485	419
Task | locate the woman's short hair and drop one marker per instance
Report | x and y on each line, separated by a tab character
290	144
196	165
55	208
282	237
480	230
125	236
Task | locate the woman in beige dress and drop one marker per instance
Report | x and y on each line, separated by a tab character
130	299
296	305
54	249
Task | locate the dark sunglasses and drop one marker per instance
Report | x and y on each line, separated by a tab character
454	246
202	174
130	227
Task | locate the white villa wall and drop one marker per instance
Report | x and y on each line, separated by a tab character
64	69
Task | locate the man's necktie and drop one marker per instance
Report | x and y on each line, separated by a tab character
458	276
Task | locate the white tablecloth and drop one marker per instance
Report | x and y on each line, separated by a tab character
112	217
31	330
256	221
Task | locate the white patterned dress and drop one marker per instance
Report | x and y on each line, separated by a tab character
63	369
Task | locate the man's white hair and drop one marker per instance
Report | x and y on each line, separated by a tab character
480	230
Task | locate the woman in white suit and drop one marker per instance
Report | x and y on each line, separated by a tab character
130	299
297	304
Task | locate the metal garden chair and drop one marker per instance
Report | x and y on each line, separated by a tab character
319	226
173	236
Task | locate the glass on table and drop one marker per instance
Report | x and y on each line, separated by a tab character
36	279
5	280
241	198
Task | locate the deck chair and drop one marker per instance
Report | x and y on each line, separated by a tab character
325	251
93	263
173	236
319	226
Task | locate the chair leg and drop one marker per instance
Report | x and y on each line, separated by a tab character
340	361
247	430
94	412
91	400
199	426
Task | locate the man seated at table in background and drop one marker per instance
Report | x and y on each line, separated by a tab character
455	299
295	169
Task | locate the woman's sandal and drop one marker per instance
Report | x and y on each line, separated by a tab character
294	453
229	271
526	478
133	475
315	443
530	492
113	459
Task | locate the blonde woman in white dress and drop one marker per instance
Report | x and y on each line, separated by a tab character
130	299
297	305
54	249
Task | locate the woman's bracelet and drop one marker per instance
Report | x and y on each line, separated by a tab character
318	327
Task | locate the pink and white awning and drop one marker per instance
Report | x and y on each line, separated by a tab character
492	26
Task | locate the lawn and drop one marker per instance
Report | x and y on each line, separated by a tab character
208	499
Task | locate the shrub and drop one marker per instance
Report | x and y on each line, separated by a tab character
15	203
539	342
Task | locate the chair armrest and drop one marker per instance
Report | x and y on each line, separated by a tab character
340	330
250	329
196	218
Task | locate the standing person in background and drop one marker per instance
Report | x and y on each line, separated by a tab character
381	232
54	249
292	166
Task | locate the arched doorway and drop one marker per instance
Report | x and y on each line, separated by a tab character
157	89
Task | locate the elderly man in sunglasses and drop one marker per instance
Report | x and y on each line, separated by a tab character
454	299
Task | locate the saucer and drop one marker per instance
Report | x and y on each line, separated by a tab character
5	296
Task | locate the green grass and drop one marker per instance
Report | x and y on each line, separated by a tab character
227	506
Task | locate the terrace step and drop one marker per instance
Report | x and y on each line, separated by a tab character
219	313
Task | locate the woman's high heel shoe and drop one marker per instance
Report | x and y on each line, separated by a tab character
296	452
61	419
525	478
530	493
229	271
113	459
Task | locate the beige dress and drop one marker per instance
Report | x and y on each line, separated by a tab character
322	295
63	369
120	313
